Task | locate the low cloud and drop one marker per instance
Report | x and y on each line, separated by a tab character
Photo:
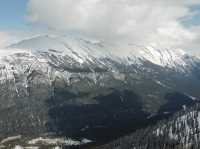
155	22
5	39
8	37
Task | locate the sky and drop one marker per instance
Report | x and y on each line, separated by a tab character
12	13
159	23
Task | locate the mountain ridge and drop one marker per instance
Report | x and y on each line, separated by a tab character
88	89
83	50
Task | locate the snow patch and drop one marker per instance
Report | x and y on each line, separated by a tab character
55	141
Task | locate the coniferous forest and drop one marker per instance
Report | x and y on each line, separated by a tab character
181	131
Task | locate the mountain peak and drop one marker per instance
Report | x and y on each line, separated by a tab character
39	43
83	49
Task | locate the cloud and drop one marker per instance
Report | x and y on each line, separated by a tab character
4	39
8	37
155	22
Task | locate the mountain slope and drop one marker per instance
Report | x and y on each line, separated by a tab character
83	48
75	87
179	131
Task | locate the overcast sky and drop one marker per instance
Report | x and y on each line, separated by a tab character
161	23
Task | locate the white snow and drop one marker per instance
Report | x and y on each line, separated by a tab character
18	147
85	141
55	141
32	54
11	139
31	147
83	50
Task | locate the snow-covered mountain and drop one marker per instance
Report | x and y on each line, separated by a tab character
56	54
86	50
74	86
